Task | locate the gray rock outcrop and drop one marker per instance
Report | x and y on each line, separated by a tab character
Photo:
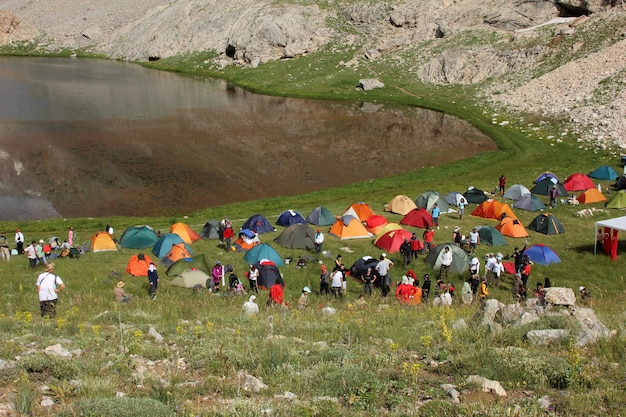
487	385
546	336
560	296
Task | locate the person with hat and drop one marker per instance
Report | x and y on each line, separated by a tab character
319	240
48	286
303	301
5	253
119	293
498	269
19	241
41	256
250	307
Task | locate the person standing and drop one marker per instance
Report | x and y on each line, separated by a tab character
498	269
19	241
554	194
474	266
446	262
467	296
428	236
474	240
324	281
489	264
5	253
426	287
501	184
461	207
525	271
319	240
483	291
48	286
41	256
31	254
382	270
253	277
153	279
435	212
70	236
407	252
417	247
368	279
277	295
336	282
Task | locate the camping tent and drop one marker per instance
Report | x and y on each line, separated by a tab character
349	227
190	278
620	184
400	204
516	191
492	209
320	216
361	211
392	240
210	230
259	224
428	199
474	195
460	260
360	266
547	175
165	243
298	236
138	237
454	198
419	218
541	254
578	182
592	195
610	239
617	200
102	242
268	274
247	240
289	217
178	251
138	265
511	227
491	236
544	186
263	251
375	223
547	224
194	262
529	202
185	232
388	227
604	172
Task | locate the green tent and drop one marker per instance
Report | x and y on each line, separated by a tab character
547	224
491	236
138	237
195	262
298	236
460	260
190	278
321	216
617	200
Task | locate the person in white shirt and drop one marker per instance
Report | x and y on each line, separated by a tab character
491	261
19	241
48	286
382	270
250	307
474	266
498	269
446	262
474	240
253	276
336	283
319	241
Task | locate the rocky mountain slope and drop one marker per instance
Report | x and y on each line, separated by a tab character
562	58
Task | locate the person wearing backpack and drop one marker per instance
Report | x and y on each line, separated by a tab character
48	286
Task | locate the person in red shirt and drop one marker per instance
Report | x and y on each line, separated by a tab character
417	247
501	184
277	295
428	237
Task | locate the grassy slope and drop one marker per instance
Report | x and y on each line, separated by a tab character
217	341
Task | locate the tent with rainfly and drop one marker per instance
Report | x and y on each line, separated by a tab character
375	223
454	198
297	236
320	216
392	240
102	242
511	227
165	243
460	260
547	224
590	196
349	227
491	236
185	232
418	218
474	195
268	274
428	199
138	265
263	251
400	204
289	217
578	182
190	278
193	262
529	202
247	240
492	209
604	172
516	191
362	211
259	224
617	200
138	237
544	186
210	230
177	251
542	254
547	175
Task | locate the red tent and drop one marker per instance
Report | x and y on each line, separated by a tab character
375	223
392	240
578	182
419	218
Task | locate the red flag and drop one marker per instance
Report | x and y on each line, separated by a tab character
614	245
607	240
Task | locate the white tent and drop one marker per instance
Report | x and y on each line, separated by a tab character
618	223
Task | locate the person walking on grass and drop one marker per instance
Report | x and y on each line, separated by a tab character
48	286
435	212
153	279
446	262
4	247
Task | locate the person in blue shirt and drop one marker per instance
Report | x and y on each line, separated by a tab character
435	211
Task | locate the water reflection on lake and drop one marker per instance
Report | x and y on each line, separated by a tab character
97	138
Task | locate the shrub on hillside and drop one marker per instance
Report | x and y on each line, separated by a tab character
119	407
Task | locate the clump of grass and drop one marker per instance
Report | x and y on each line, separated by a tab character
119	407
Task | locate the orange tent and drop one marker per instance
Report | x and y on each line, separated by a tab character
361	211
512	227
138	265
102	242
592	195
492	209
375	223
185	232
349	227
177	252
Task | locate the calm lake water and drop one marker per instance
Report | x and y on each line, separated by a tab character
102	138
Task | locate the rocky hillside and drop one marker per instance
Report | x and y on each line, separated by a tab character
563	58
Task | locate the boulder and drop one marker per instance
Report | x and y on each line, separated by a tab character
249	382
57	350
591	328
487	385
370	83
451	391
546	336
560	296
490	309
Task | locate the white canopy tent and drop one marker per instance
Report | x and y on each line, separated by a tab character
618	223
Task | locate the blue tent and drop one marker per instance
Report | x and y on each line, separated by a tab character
263	251
542	254
165	243
290	217
547	175
604	172
259	224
